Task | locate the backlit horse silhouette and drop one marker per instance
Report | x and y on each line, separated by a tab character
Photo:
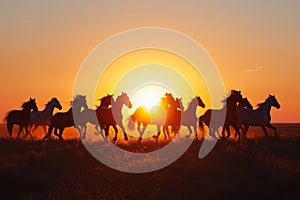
157	115
189	118
229	111
112	116
258	117
42	118
62	120
21	117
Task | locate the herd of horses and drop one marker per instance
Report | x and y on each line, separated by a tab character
169	115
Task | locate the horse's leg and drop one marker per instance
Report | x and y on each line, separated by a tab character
34	128
61	130
272	127
237	130
158	127
124	132
264	129
44	128
142	132
195	130
245	130
84	131
20	130
55	132
190	131
116	133
50	128
28	132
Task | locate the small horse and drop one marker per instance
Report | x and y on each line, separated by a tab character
155	116
21	117
229	111
112	116
189	118
42	118
62	120
258	117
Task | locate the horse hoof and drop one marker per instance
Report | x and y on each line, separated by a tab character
154	136
114	139
126	138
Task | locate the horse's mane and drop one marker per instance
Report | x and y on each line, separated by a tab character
263	103
48	103
24	104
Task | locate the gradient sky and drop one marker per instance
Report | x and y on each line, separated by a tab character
255	44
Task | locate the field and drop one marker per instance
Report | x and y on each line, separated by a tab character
254	168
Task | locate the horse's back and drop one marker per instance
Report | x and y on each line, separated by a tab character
16	117
61	120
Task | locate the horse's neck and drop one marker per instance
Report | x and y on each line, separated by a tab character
117	105
191	108
26	111
265	109
75	108
231	105
48	110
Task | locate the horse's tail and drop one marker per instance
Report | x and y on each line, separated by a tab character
9	124
201	126
131	123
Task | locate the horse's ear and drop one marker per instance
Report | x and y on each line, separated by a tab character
30	99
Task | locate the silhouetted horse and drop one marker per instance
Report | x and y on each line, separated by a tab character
112	116
258	117
173	117
21	117
189	118
43	118
62	120
156	115
230	115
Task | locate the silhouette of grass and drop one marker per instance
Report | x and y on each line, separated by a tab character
255	168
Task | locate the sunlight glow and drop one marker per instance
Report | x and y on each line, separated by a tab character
148	96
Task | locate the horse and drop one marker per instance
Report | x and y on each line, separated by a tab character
229	111
112	116
189	118
173	117
87	116
61	120
42	118
21	117
258	117
155	116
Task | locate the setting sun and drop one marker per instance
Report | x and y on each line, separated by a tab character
148	96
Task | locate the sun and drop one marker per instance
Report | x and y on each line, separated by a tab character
148	96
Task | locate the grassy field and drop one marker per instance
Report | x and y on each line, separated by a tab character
254	168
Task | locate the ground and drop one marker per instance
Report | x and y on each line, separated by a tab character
254	168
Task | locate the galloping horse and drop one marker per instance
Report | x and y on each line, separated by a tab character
189	118
173	117
112	116
230	115
43	118
21	117
87	116
62	120
258	117
157	115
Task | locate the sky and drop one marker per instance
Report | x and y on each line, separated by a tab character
255	44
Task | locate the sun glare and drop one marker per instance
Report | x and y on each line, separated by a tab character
148	96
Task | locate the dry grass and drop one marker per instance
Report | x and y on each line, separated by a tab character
255	168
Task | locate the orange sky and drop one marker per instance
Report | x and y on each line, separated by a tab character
255	44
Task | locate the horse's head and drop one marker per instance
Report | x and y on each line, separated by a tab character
31	105
80	101
200	102
273	101
124	99
236	95
178	103
244	103
169	98
106	101
56	103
